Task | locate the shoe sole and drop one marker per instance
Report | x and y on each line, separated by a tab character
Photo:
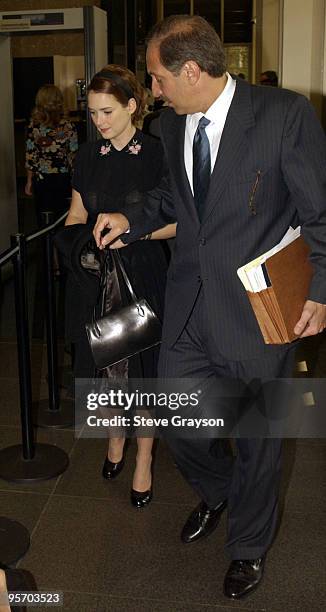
246	593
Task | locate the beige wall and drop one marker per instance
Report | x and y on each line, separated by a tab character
66	71
270	35
47	44
304	48
294	45
101	40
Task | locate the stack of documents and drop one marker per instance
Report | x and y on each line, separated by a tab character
277	284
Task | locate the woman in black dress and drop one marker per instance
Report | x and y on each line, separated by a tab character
124	161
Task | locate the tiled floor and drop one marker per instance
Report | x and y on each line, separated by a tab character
89	542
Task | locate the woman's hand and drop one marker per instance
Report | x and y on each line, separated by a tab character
28	188
115	222
29	183
169	231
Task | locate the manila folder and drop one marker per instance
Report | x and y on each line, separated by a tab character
279	307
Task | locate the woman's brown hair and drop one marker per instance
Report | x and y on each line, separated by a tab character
123	85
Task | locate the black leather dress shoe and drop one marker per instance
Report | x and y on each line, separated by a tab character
242	577
112	470
140	499
201	522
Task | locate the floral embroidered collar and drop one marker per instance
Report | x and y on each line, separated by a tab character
133	148
105	149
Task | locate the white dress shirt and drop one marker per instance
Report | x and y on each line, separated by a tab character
216	114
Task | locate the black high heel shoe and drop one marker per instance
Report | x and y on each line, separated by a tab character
140	499
112	470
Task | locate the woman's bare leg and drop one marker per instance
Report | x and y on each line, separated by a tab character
115	449
142	480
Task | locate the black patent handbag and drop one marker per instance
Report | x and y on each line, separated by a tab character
125	332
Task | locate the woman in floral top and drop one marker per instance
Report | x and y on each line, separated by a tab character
50	147
121	164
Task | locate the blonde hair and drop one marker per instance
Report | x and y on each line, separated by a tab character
49	108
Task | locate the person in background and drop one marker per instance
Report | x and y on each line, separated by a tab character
151	123
51	145
124	161
269	77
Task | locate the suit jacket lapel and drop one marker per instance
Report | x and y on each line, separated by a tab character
233	144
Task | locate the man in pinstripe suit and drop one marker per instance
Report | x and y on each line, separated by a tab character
267	154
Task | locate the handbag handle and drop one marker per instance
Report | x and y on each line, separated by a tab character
119	264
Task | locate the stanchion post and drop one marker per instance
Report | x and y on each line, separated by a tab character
54	412
51	322
24	358
27	462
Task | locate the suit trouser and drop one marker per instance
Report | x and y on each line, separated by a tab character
250	481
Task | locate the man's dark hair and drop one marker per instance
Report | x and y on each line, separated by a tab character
269	77
181	38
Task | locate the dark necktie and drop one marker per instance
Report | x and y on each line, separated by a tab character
201	171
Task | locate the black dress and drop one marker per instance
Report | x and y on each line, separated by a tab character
104	177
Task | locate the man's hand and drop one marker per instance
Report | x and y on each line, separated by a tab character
115	222
118	244
312	321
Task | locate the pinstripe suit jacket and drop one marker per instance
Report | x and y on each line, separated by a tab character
269	174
